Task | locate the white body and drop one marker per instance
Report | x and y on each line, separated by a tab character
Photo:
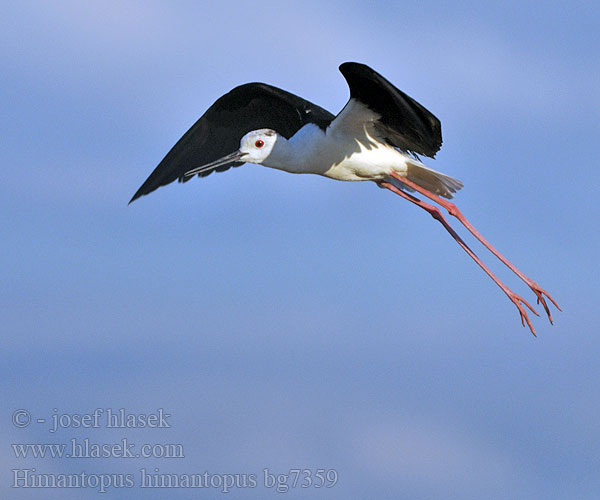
345	151
334	155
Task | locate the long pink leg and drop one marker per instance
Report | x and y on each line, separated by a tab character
454	211
436	214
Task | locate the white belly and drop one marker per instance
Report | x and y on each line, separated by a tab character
373	162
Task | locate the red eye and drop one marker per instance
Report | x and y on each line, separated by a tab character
259	143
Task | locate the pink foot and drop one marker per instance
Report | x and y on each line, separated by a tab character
539	293
519	301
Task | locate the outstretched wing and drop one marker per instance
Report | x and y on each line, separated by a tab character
401	121
218	132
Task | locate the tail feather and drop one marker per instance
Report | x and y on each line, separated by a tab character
436	182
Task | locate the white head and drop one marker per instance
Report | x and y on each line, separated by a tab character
256	146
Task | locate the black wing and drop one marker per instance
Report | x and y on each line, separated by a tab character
218	132
404	123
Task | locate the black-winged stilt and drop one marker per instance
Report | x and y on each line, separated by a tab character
378	136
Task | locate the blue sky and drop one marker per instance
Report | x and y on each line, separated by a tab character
288	321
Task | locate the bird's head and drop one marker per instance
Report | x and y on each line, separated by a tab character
255	147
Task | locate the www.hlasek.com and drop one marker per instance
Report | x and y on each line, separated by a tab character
85	448
280	482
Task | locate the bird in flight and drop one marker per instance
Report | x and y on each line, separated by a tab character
380	136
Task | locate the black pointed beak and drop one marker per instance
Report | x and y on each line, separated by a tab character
233	157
